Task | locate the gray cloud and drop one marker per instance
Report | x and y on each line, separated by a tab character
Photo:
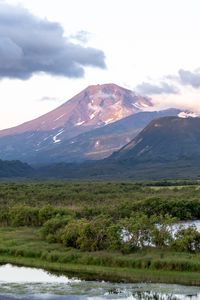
81	36
153	89
189	78
30	45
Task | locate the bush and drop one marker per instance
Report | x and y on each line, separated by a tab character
24	216
52	228
161	234
91	235
187	239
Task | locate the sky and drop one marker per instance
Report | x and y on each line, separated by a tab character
50	50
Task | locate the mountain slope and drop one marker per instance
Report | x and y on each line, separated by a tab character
95	144
93	108
164	139
167	148
102	142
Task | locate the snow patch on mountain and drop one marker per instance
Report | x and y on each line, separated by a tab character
185	115
140	105
108	121
92	116
97	143
79	123
95	109
55	139
46	138
59	117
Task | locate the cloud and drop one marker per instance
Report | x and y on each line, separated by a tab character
47	98
81	36
190	78
30	45
153	89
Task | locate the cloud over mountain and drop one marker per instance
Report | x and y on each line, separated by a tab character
30	45
190	78
153	89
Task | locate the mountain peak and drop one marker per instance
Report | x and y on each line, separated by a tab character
104	86
110	89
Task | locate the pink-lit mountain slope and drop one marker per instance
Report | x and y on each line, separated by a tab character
94	107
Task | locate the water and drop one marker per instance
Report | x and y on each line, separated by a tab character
36	284
190	223
126	236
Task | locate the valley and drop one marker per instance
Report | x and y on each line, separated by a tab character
101	196
99	150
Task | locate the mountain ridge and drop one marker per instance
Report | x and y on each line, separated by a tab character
168	138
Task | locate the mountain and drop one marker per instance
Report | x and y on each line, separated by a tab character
94	107
101	142
167	148
165	139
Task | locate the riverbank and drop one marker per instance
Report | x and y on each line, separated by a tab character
22	246
91	272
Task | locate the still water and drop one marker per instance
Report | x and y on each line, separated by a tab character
36	284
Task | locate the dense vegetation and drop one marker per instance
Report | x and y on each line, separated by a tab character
14	168
116	199
85	223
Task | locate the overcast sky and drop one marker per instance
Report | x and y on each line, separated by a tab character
52	49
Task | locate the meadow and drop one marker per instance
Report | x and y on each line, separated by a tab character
75	228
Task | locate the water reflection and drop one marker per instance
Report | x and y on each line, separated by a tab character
9	273
35	284
45	297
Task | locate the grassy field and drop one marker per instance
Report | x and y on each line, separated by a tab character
23	246
25	207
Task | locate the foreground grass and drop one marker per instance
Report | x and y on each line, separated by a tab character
23	246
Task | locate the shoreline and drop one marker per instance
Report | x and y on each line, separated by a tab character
111	274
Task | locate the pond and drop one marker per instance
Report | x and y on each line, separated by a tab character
36	284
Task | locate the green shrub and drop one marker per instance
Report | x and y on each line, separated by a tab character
187	239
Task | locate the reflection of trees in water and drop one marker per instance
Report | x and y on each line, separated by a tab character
149	295
4	297
115	291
